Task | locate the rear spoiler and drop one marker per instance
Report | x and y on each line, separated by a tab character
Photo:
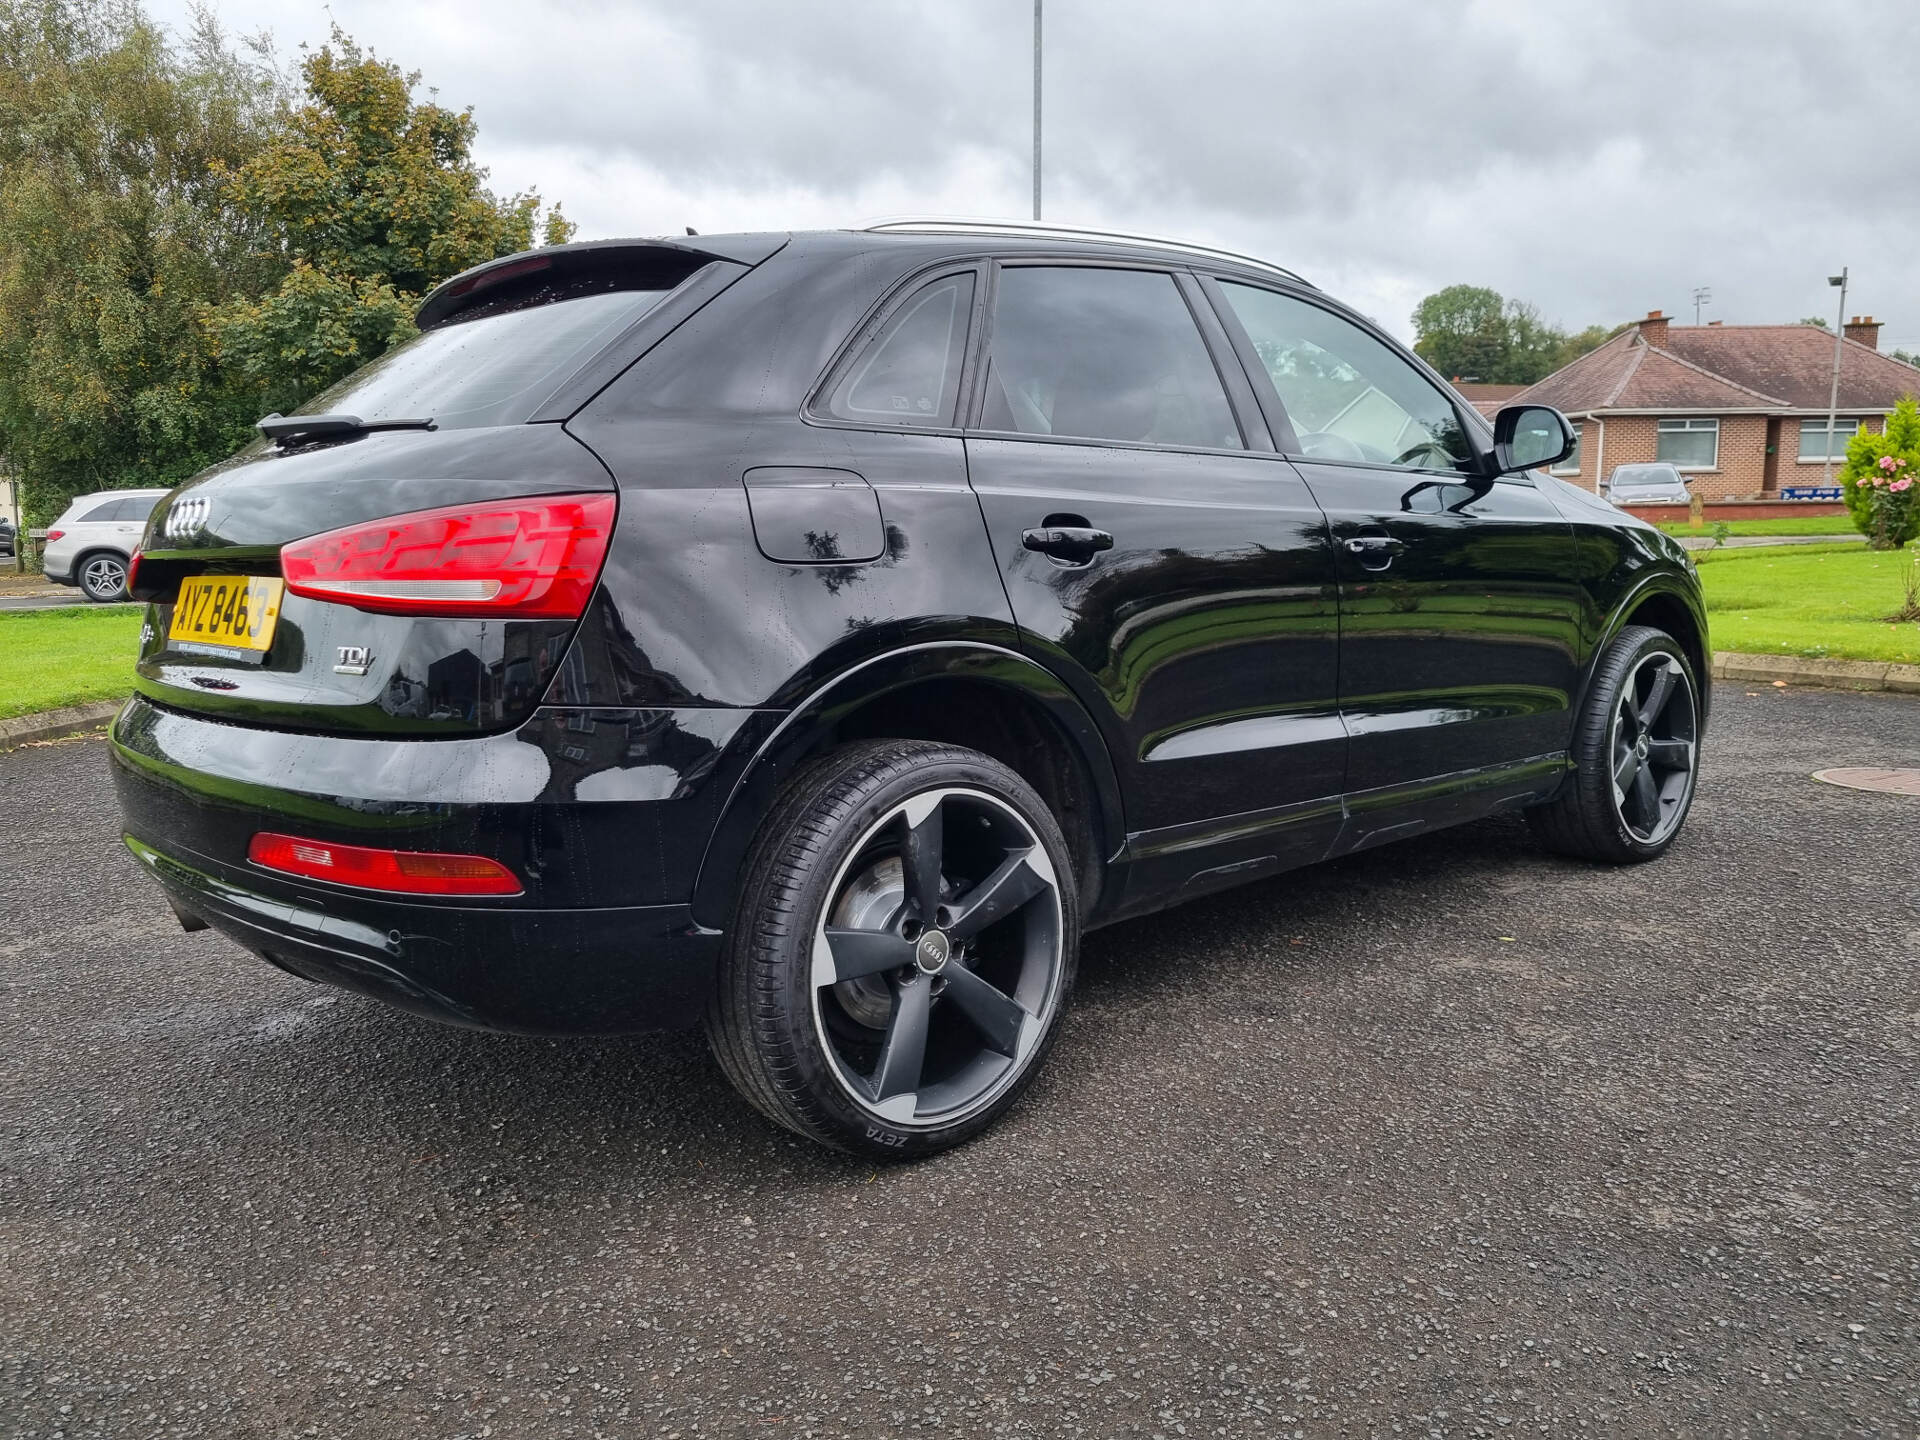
634	262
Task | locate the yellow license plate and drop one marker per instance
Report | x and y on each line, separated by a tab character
234	611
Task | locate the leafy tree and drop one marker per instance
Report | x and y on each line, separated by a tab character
1471	332
1462	331
367	199
1819	320
115	236
187	243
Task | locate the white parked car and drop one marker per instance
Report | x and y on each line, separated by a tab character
1651	484
91	542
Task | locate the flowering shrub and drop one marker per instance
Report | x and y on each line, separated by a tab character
1878	479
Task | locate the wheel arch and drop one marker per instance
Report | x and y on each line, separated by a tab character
1665	603
968	693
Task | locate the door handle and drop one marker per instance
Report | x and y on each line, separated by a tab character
1376	552
1076	544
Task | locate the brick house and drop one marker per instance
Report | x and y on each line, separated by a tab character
1740	409
1487	399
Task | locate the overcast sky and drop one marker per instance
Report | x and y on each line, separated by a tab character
1599	159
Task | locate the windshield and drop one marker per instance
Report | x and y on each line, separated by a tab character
492	371
1642	476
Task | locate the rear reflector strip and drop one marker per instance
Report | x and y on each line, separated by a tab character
537	558
402	872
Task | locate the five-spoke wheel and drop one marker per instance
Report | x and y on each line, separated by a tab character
1635	754
906	940
103	578
938	961
1652	746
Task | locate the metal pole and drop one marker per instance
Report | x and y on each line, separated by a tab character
1036	109
1833	391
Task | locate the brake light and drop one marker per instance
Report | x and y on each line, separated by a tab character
53	535
535	557
405	872
133	571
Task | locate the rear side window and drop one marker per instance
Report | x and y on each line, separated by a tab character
1102	354
494	370
909	374
136	507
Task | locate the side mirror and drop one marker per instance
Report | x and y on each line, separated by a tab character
1525	437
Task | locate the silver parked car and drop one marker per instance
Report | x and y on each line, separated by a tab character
91	542
1653	484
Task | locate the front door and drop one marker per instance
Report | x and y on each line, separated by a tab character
1460	615
1178	580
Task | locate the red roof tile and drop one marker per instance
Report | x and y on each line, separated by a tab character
1795	362
1726	367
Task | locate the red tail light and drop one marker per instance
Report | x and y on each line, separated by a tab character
405	872
534	557
53	535
133	571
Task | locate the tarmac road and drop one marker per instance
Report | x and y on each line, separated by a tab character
1448	1138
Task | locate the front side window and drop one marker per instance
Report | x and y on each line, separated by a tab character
909	374
1692	444
1814	444
1099	354
1350	398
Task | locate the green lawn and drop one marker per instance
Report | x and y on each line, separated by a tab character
50	658
1824	601
1819	600
1812	525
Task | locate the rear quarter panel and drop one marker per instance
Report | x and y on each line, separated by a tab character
692	612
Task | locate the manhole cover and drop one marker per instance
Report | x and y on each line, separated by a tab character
1865	777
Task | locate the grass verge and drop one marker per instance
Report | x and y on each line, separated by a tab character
50	658
1812	525
1821	601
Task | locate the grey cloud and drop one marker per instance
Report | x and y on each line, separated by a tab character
1598	159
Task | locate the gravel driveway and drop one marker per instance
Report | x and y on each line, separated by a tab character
1448	1138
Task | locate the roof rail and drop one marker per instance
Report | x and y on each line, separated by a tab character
948	225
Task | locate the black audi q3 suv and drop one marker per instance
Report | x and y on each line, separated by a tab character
813	635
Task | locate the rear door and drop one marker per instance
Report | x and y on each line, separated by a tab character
1164	561
130	520
1460	614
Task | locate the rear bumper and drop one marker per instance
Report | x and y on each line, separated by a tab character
604	816
544	972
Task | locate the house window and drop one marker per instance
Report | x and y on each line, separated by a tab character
1689	444
1814	448
1570	465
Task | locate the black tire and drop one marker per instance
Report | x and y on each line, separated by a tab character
1636	755
840	836
102	575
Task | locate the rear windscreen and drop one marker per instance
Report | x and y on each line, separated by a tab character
493	370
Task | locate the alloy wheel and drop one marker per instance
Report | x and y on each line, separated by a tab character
104	577
1653	748
936	962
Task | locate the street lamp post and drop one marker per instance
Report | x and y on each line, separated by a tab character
1833	390
1036	109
